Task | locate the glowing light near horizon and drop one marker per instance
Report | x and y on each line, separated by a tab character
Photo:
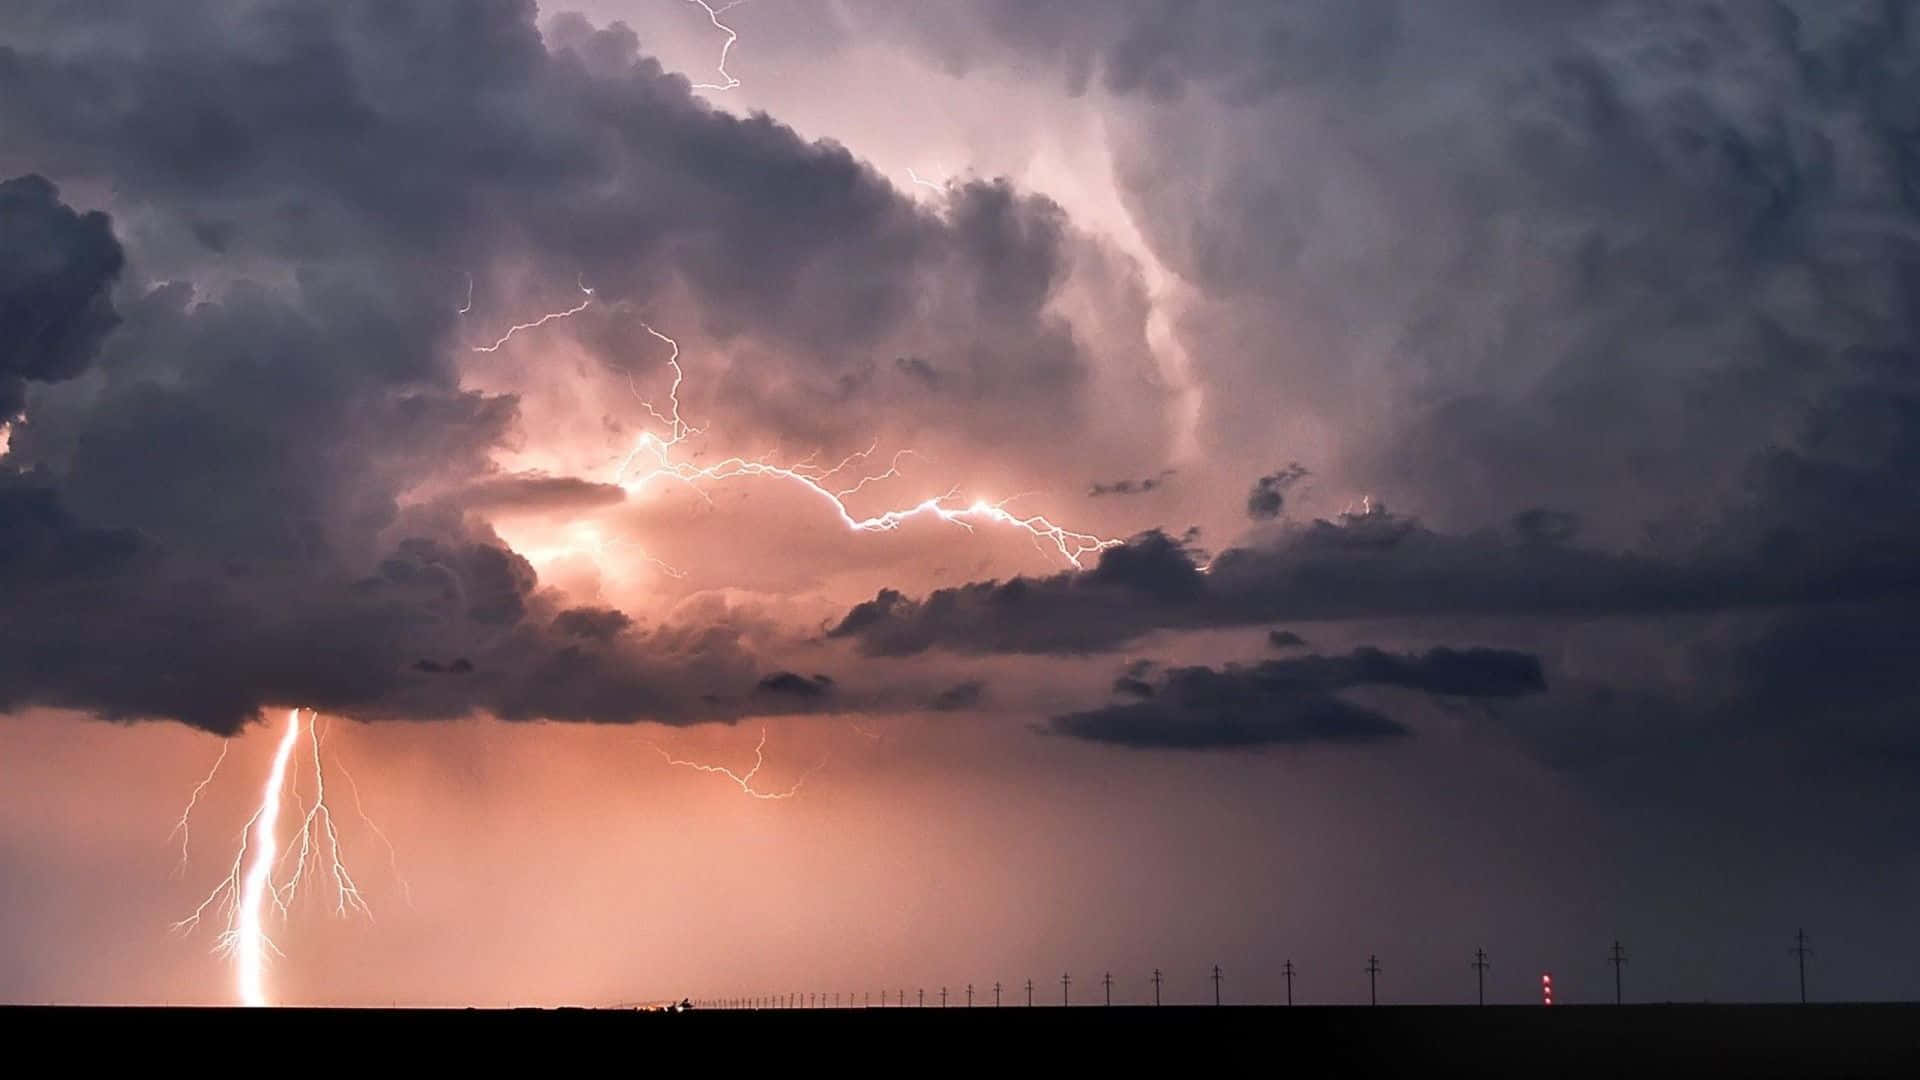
243	898
657	451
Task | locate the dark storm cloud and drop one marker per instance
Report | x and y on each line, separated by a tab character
536	493
1130	487
1293	701
56	269
1269	494
596	624
795	684
1379	564
962	695
1544	526
215	517
1597	256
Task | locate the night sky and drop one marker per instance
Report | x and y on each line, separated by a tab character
1156	484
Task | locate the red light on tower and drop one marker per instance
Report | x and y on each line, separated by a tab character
1546	988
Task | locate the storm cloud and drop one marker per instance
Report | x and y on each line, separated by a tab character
276	440
57	267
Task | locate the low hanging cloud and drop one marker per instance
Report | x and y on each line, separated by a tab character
1286	702
1269	494
1142	486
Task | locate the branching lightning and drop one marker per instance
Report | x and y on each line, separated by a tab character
652	458
244	896
183	827
713	16
744	780
539	322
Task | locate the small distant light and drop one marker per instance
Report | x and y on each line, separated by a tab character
1546	988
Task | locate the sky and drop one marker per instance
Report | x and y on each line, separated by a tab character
1153	484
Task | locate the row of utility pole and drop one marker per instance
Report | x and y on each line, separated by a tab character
1616	956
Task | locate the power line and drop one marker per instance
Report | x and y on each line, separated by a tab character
1801	951
1617	956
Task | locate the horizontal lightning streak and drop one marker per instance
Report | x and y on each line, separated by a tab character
744	780
539	322
661	464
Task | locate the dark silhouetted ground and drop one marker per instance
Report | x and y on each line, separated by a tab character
1635	1041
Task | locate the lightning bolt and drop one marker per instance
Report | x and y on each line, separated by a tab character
744	780
923	182
713	16
393	856
468	306
248	936
242	898
656	460
537	323
183	828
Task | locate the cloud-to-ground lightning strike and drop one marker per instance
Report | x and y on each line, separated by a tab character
658	450
243	898
249	935
713	15
541	321
744	780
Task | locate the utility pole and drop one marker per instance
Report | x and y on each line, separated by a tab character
943	997
1287	970
1617	956
1029	993
1373	970
1107	981
969	995
1156	986
1066	981
996	993
866	998
922	992
1480	972
1801	951
1216	984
